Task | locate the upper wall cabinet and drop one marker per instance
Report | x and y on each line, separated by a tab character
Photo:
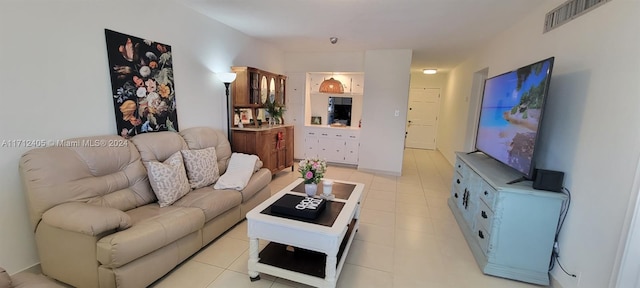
280	88
264	89
352	82
272	89
254	87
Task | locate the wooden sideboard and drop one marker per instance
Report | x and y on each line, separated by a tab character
273	144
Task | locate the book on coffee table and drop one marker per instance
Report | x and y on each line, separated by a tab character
299	206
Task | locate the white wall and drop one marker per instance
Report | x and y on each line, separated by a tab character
55	82
324	62
386	86
421	80
454	111
297	65
589	129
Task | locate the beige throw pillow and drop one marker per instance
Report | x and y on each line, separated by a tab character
202	167
168	179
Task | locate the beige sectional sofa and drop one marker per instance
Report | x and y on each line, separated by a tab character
97	221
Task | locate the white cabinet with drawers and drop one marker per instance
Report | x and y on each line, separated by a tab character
337	145
510	228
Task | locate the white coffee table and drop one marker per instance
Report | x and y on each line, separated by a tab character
314	243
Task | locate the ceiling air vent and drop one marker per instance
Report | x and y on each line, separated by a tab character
568	11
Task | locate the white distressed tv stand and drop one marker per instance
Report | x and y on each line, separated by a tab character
510	228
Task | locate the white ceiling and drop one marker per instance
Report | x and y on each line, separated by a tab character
440	32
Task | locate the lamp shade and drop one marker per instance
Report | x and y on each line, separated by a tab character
332	86
226	77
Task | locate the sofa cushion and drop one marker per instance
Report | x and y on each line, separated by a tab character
158	146
168	179
241	167
5	280
205	137
110	176
212	202
153	228
202	167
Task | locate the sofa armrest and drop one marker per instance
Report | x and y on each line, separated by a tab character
86	218
258	180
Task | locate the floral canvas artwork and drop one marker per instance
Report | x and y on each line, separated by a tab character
142	84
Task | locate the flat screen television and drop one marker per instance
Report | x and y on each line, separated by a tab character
339	110
511	113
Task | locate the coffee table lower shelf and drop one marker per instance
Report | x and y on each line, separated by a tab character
275	259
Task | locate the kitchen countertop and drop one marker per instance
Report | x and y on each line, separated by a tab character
333	127
264	127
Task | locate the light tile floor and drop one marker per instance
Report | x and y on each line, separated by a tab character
407	237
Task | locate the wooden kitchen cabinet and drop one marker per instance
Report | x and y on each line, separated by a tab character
254	87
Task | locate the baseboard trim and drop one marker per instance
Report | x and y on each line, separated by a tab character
375	171
35	268
554	283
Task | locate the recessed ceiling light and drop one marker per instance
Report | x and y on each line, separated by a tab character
429	71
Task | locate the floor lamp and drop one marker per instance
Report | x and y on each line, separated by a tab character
227	78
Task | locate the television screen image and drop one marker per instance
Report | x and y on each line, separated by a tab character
510	115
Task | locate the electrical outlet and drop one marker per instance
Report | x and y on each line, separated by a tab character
570	281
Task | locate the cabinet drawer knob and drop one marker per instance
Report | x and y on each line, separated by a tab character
480	234
458	181
455	195
486	193
484	215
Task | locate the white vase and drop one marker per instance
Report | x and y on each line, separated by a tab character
311	189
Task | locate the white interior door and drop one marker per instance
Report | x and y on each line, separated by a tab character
422	118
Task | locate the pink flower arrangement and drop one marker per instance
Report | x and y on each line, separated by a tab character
312	170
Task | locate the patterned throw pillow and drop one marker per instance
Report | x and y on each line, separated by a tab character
168	179
202	166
